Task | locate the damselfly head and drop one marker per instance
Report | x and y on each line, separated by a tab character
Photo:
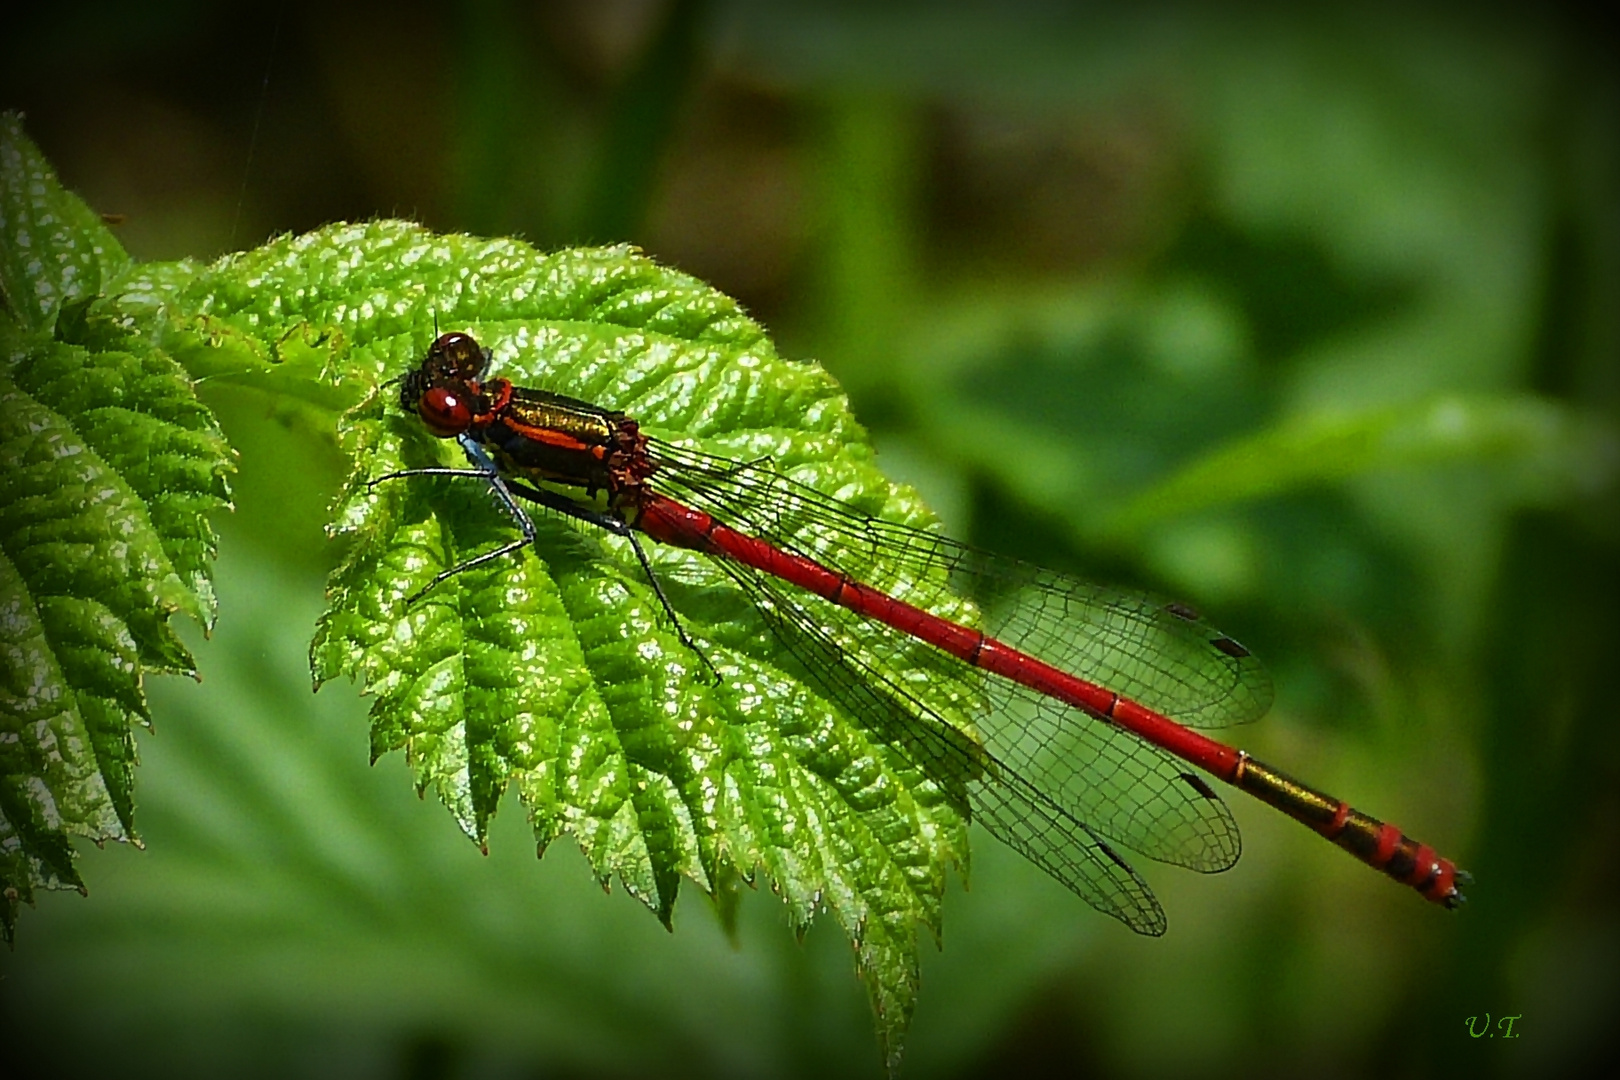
445	390
456	357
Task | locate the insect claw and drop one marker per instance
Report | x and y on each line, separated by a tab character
372	482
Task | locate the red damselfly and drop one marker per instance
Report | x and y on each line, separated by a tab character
1094	695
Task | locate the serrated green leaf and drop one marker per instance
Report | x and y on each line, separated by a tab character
135	407
557	671
75	528
49	783
87	590
108	469
53	248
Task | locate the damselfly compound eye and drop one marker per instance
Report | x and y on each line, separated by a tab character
457	356
445	412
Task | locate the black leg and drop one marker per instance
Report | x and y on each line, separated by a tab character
675	620
476	560
618	527
437	470
504	490
485	471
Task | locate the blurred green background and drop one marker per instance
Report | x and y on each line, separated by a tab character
1307	318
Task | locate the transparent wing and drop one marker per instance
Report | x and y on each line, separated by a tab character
1015	811
1161	655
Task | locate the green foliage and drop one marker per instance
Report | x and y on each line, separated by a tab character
108	469
55	249
555	671
1545	454
1313	413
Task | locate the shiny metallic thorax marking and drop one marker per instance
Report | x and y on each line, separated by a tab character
533	434
544	436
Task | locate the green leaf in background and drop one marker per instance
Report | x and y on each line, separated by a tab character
108	469
1548	452
556	671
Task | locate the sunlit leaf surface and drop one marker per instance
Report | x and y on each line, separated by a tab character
556	671
108	470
